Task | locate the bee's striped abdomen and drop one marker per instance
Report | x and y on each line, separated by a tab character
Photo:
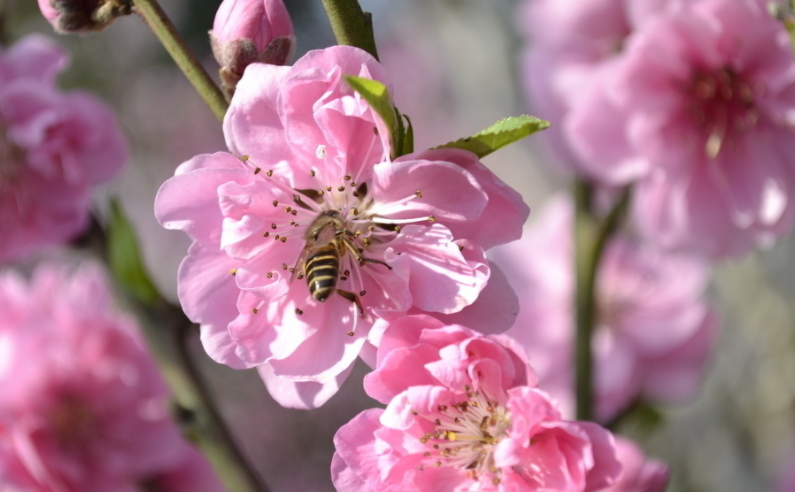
322	270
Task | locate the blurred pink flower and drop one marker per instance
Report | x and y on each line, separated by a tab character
698	111
82	406
53	148
569	42
640	474
315	151
463	413
653	334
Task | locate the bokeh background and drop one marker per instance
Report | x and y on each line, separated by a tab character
454	67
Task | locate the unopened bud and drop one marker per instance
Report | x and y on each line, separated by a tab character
250	31
72	16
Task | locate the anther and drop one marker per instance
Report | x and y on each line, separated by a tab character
269	173
255	310
341	188
355	211
244	158
257	170
233	271
350	333
298	312
362	293
266	234
312	173
275	203
432	219
283	239
347	177
273	226
328	188
284	266
269	274
418	194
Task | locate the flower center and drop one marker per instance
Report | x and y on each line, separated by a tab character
72	420
722	104
465	435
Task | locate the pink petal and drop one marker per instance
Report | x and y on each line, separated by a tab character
303	395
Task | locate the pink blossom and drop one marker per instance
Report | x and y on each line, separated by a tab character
313	147
654	331
569	43
640	474
90	413
697	110
463	414
54	147
248	31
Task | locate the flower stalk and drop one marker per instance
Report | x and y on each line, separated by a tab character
157	20
351	25
590	238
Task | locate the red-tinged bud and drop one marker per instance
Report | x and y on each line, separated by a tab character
73	16
250	31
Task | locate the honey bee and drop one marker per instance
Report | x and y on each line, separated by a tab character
327	239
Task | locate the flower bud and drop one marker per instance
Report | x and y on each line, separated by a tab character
250	31
72	16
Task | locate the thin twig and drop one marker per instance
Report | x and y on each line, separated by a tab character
351	25
164	29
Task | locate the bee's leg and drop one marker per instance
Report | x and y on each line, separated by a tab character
353	298
361	259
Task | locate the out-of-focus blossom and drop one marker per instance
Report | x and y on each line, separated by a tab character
54	147
250	31
653	333
698	111
82	406
81	16
463	413
409	233
569	43
639	473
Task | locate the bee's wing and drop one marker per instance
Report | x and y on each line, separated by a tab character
300	263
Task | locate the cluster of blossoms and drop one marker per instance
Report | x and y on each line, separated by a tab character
689	100
91	414
463	410
653	332
54	147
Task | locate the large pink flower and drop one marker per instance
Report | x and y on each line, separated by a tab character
306	148
463	414
82	406
697	111
654	331
54	147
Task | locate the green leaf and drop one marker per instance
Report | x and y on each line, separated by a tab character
125	259
408	138
377	96
498	135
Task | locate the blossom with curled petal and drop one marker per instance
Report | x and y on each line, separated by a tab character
653	331
54	146
410	231
463	413
82	405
